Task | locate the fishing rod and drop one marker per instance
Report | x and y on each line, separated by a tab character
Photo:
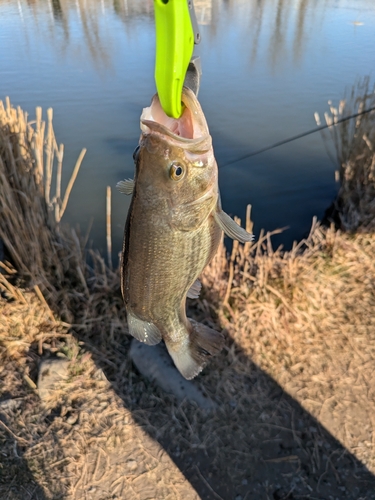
294	138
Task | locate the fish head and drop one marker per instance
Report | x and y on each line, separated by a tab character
175	158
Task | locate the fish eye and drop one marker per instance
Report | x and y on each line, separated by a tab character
136	154
176	171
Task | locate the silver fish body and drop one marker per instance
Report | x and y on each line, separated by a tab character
173	229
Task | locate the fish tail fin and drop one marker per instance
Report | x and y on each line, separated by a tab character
191	357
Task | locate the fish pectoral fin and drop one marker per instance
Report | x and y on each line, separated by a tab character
231	228
190	358
126	186
194	290
144	331
190	216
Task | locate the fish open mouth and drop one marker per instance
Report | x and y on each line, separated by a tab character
191	126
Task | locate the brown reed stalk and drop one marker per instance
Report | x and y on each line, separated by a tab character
71	183
29	212
49	156
108	227
60	156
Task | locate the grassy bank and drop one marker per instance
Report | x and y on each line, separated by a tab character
294	384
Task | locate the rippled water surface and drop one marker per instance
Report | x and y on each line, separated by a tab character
267	66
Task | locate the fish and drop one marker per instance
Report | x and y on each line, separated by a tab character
173	228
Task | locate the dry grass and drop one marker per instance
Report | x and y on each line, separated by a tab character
77	432
307	318
45	254
354	142
304	317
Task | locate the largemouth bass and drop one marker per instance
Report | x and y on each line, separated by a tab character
173	228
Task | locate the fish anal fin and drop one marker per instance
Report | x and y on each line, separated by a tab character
144	331
231	228
190	216
126	186
191	357
194	290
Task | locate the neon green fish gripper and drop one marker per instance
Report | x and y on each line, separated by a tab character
174	49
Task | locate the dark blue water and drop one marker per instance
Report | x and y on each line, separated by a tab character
267	67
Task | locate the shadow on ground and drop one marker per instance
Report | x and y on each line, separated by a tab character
17	481
258	444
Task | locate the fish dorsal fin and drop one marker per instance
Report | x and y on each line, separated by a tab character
190	216
194	290
231	228
144	331
126	186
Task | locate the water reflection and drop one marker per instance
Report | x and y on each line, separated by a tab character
129	9
285	25
57	10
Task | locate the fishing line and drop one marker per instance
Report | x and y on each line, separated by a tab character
294	138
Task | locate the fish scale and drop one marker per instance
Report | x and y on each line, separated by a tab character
175	267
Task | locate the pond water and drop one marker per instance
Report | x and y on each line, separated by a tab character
268	65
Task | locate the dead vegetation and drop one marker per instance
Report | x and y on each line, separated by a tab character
353	142
301	321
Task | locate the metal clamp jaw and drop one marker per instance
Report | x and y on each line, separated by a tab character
193	74
176	34
194	22
194	71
